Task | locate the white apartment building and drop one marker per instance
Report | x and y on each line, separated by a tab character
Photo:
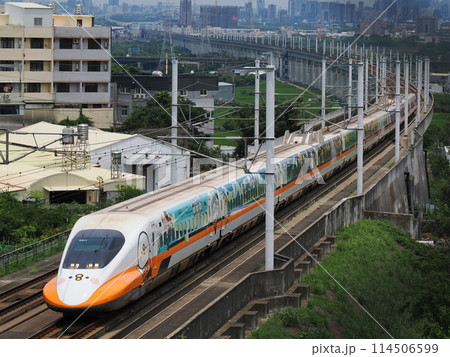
51	65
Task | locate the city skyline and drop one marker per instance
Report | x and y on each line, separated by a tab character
278	3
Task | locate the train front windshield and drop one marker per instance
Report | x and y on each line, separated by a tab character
93	249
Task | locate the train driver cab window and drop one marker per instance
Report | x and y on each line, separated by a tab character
93	249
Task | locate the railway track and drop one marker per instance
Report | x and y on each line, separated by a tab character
23	299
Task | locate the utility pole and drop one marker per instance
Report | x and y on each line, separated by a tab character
257	83
350	89
419	89
173	165
406	111
270	172
360	130
324	83
397	111
427	84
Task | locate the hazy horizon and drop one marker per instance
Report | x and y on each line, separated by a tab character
279	3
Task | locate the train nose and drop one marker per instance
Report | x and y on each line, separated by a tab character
74	288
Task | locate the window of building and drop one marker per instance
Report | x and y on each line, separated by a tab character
62	87
66	43
91	87
93	66
124	110
80	22
6	88
9	109
36	66
65	66
7	42
6	66
203	92
33	87
183	92
36	43
38	21
94	44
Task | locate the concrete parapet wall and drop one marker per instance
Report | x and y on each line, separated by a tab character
403	221
253	286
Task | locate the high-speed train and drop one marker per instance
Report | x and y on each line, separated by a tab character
117	254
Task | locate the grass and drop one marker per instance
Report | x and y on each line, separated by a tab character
440	119
401	283
285	92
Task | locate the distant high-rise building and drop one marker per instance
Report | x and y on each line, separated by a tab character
219	16
260	7
426	24
185	12
113	2
271	12
291	8
249	12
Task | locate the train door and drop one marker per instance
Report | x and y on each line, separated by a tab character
143	253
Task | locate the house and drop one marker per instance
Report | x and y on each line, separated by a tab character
129	91
51	65
119	156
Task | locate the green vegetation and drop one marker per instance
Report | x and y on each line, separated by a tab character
82	119
238	121
401	283
127	192
137	48
436	137
123	68
156	113
26	223
22	224
154	118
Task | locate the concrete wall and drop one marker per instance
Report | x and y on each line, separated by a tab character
253	286
404	222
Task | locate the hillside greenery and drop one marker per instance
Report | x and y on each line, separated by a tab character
379	283
437	222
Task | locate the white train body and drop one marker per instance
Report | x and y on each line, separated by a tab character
116	255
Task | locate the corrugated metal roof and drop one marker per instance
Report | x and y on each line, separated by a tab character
18	177
46	133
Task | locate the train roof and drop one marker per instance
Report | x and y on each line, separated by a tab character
157	201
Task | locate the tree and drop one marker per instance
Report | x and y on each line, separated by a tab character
283	122
82	119
155	116
126	192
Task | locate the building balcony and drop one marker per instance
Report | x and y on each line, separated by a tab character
75	76
82	98
10	98
10	76
80	32
11	54
38	54
38	76
80	55
38	97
